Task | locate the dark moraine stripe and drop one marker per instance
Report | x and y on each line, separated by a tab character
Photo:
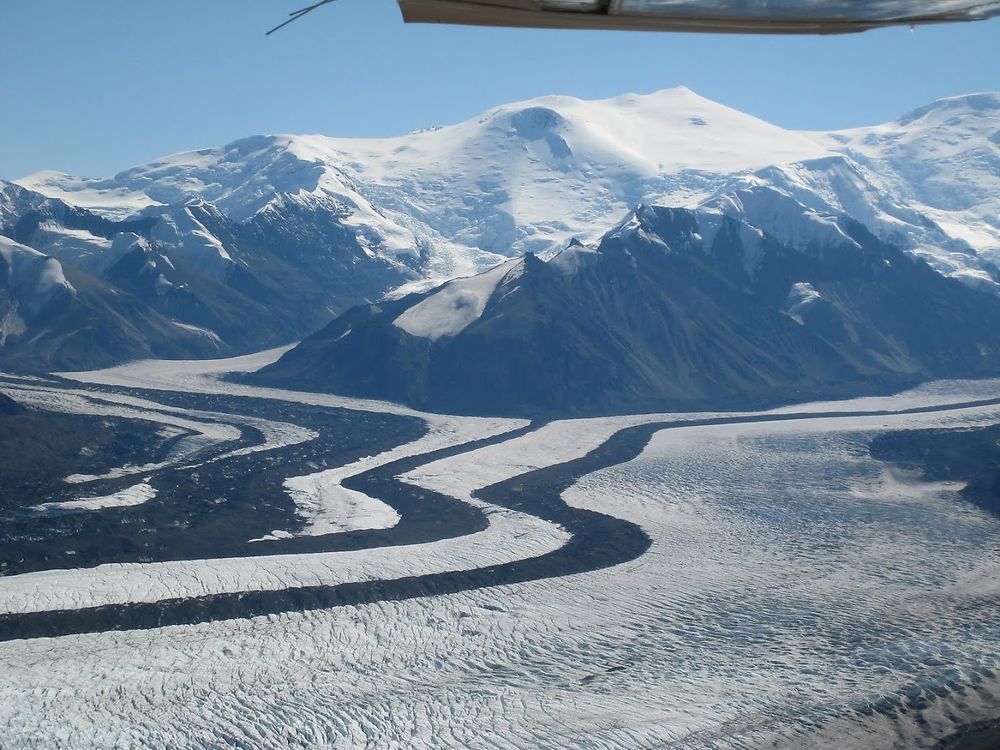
984	735
240	498
597	541
971	456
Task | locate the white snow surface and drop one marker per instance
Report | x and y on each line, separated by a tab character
527	176
76	246
928	181
456	305
207	333
330	508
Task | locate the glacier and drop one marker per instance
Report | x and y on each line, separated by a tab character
796	592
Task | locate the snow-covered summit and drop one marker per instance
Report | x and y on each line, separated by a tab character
522	176
943	160
532	175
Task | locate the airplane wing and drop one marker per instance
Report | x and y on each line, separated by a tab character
725	16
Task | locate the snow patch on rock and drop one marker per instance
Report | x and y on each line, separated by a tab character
800	296
456	305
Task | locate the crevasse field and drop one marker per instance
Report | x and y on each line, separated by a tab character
795	591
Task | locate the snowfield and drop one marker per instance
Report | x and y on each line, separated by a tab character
796	593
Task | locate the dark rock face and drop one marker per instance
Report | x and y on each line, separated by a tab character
971	456
674	310
8	406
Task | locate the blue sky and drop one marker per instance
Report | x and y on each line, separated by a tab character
94	87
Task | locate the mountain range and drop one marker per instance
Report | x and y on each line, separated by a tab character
268	239
755	301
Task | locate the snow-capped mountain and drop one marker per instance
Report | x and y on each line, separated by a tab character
56	314
928	182
525	176
532	175
749	303
268	238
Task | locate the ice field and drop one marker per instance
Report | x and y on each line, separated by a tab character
795	592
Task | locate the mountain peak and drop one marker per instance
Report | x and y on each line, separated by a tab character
977	104
680	97
528	176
